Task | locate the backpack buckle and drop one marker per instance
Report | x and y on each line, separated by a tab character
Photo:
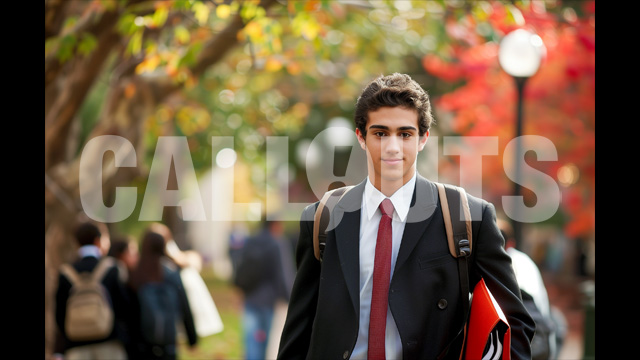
463	248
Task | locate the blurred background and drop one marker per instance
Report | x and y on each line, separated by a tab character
263	92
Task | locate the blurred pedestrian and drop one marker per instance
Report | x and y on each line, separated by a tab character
124	249
260	277
237	237
160	299
205	313
71	317
545	344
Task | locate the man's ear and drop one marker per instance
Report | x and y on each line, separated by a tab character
423	140
361	139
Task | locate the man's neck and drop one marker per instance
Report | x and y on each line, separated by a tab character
388	188
89	250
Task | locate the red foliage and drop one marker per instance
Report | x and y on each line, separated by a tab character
559	100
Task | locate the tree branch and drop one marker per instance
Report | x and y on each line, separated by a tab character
218	46
54	11
58	118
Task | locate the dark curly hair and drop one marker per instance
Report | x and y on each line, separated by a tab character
391	91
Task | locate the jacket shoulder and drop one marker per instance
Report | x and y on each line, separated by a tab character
309	211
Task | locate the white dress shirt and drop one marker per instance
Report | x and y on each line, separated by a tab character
369	220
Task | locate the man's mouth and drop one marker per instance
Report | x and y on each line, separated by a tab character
392	161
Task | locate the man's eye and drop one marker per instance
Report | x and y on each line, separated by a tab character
405	135
379	134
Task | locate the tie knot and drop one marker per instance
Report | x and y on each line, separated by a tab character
386	207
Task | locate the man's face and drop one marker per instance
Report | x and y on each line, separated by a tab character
392	144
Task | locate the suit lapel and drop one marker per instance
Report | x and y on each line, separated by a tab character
423	205
346	221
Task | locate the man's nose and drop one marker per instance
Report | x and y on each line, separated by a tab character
393	145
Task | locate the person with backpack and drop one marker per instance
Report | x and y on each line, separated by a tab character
90	298
260	276
160	300
546	343
385	284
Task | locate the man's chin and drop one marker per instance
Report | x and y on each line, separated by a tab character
391	177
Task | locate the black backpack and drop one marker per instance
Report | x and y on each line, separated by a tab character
251	267
159	306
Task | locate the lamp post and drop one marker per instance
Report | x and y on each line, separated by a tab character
520	54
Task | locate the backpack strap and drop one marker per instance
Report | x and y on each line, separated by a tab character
71	273
457	220
105	263
322	217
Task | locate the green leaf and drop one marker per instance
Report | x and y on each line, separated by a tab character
67	44
182	34
51	45
189	58
126	24
135	43
181	5
69	23
201	12
160	16
251	11
87	44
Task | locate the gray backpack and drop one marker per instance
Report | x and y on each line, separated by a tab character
89	313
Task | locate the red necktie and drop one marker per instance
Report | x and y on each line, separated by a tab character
380	292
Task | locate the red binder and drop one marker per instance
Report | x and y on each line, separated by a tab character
485	316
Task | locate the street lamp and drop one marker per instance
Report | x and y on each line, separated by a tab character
520	55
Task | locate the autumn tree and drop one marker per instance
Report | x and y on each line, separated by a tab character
559	100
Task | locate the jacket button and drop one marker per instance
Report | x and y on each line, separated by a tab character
345	355
442	304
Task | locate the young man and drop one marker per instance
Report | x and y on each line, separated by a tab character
387	286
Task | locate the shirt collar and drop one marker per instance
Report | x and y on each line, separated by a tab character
401	199
89	250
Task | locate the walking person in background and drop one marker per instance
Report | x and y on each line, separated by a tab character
237	238
203	309
547	341
124	249
160	299
90	299
260	276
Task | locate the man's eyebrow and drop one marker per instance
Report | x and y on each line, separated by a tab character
401	128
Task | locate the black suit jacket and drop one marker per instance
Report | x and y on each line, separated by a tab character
119	297
424	293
